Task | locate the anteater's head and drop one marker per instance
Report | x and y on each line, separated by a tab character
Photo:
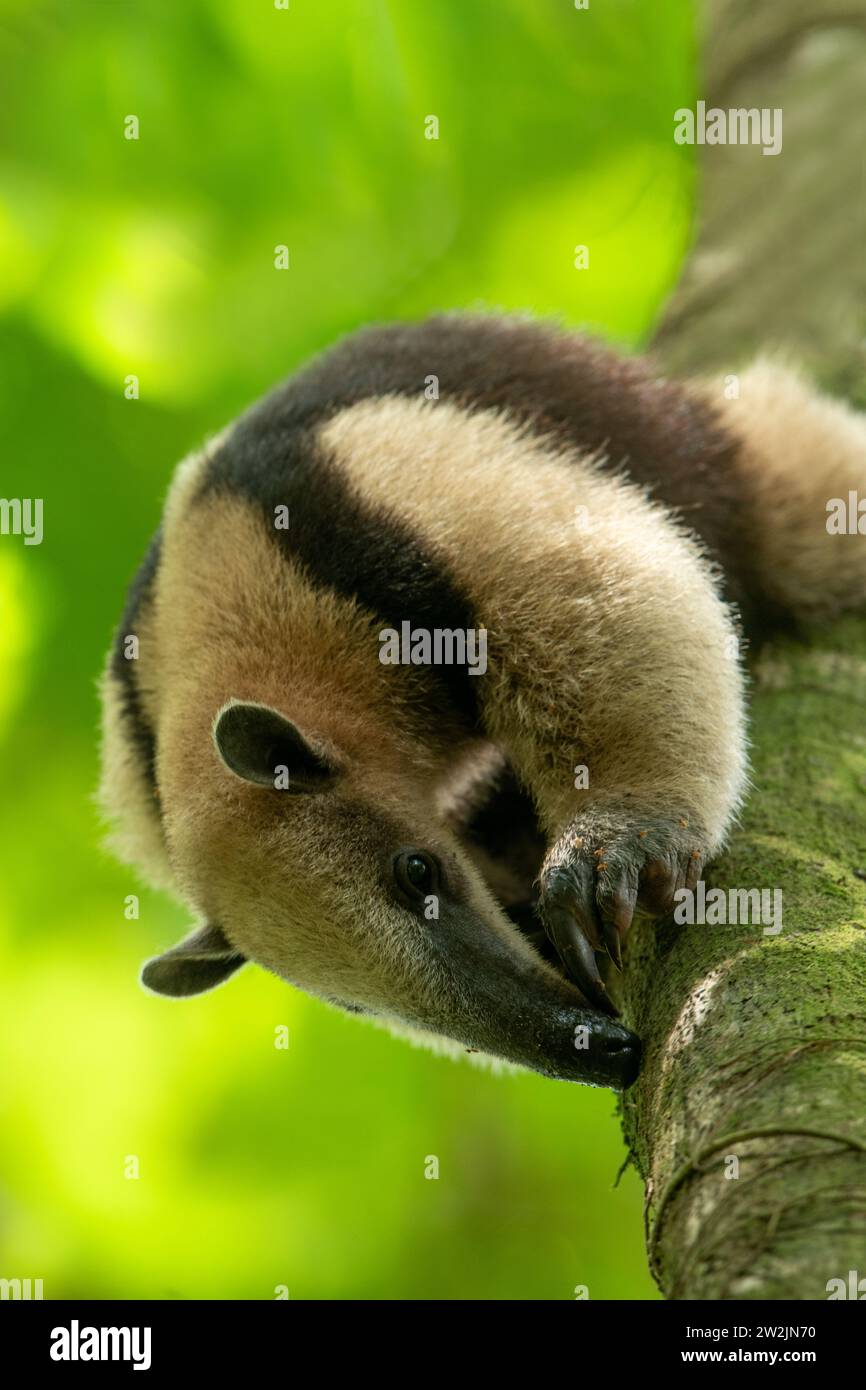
368	901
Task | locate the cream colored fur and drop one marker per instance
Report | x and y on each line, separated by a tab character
608	643
608	646
800	450
124	796
285	878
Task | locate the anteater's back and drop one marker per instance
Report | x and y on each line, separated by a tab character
605	530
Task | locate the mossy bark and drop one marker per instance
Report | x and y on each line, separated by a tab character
756	1044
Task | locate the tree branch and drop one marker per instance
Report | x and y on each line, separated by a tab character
756	1044
748	1123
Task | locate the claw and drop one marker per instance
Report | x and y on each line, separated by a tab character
578	957
592	890
611	941
577	898
617	910
658	883
589	926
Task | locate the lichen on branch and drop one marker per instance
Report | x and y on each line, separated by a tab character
748	1123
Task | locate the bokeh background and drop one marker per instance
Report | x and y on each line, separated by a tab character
262	126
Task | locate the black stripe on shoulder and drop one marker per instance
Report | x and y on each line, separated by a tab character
564	386
122	668
357	550
582	394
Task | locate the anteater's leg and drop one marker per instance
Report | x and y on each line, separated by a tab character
609	649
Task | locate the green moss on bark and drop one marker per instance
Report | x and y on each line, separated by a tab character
756	1044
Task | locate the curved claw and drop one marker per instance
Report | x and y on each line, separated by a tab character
617	910
578	957
611	941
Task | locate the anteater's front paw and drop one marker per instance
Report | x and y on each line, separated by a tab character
604	867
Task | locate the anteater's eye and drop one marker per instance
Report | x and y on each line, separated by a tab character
416	873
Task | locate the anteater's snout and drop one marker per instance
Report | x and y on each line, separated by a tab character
585	1045
623	1053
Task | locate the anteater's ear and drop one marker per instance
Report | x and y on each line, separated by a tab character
201	961
260	745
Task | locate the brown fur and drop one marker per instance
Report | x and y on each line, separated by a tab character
595	522
799	449
581	622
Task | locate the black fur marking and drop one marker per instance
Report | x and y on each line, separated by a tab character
123	669
565	386
506	827
357	550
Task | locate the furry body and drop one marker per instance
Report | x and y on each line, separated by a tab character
611	532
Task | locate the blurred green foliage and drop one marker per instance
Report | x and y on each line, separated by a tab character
261	126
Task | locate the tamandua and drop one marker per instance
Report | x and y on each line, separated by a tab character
301	737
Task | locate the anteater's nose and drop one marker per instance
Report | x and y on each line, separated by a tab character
624	1055
582	1044
514	1007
